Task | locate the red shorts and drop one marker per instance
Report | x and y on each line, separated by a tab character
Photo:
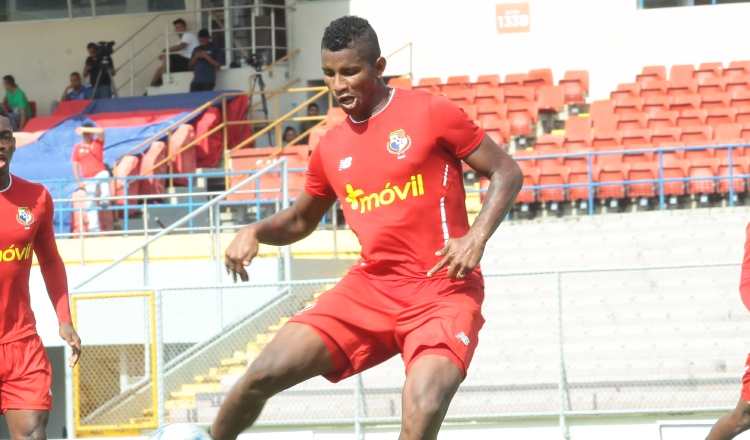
25	375
365	321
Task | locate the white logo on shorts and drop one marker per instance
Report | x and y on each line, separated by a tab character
465	339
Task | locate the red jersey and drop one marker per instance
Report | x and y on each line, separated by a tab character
90	157
398	176
26	213
745	274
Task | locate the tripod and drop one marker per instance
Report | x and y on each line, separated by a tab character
258	81
104	67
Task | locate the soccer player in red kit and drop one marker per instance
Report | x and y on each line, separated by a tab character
737	421
395	165
26	212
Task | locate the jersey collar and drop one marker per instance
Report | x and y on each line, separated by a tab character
390	98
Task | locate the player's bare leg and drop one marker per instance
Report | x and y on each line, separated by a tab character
430	386
296	354
27	424
732	423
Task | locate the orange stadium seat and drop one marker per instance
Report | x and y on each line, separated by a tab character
603	159
550	99
615	173
652	73
666	134
548	150
522	117
712	84
740	98
740	165
738	82
696	133
489	96
553	176
538	78
579	175
692	117
708	70
155	154
486	82
631	121
701	153
675	169
606	122
654	88
497	130
727	131
662	118
657	103
470	110
606	139
525	158
682	87
185	162
550	140
715	100
718	116
530	178
705	168
461	96
630	90
400	83
456	83
639	136
681	72
519	94
629	105
743	115
640	171
577	125
637	155
603	107
737	68
745	132
575	84
578	160
671	155
739	151
578	141
513	80
685	102
432	85
491	111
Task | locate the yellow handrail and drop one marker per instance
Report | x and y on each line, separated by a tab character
280	60
410	73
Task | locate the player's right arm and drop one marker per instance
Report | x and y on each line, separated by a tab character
285	227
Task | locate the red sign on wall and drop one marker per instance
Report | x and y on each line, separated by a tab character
513	18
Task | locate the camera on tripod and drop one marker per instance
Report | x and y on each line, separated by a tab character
104	49
257	60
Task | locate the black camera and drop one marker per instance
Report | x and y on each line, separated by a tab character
104	48
256	60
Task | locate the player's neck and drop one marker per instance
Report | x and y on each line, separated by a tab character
5	181
382	96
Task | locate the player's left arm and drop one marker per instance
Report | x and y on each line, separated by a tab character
462	254
55	278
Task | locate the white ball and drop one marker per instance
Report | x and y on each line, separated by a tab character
179	431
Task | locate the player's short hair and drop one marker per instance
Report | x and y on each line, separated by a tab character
75	74
91	46
348	32
10	80
87	125
203	33
313	105
179	21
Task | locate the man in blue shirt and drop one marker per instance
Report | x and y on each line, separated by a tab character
75	90
206	60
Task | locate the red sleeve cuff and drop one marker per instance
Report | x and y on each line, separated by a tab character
62	309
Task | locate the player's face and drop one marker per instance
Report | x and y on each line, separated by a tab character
204	41
75	81
179	28
353	81
7	145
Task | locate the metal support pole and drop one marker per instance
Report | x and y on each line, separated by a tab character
563	382
145	238
285	205
69	409
160	411
166	48
591	187
357	410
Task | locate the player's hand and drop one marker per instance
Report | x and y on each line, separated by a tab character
240	253
81	185
69	335
462	255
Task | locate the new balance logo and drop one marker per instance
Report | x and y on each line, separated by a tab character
345	163
465	339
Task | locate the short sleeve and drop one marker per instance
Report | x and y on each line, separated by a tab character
317	183
74	155
455	131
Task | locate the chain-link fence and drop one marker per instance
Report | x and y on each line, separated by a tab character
649	340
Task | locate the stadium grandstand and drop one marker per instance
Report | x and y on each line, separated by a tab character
612	306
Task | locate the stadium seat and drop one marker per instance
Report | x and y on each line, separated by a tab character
604	155
685	102
530	178
577	126
548	150
629	105
654	88
550	140
638	136
317	133
578	141
486	82
470	110
662	118
727	131
575	84
489	96
431	85
128	166
740	98
486	112
692	117
743	115
525	158
578	160
519	94
639	171
681	72
638	153
553	176
335	116
184	162
740	166
615	173
652	73
538	78
400	83
737	68
745	132
497	130
606	139
737	151
630	121
603	107
579	175
738	82
703	168
675	169
682	87
708	70
606	122
715	100
702	134
712	84
701	153
513	80
456	83
550	99
155	154
677	154
461	96
657	103
522	117
666	134
718	116
629	90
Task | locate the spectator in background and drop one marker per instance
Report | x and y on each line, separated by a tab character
290	134
179	54
15	99
75	90
88	163
312	110
94	71
206	60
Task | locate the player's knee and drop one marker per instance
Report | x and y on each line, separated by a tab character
425	402
36	432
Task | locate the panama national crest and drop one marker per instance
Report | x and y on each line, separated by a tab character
398	143
25	217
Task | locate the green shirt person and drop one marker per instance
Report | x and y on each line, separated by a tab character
15	98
